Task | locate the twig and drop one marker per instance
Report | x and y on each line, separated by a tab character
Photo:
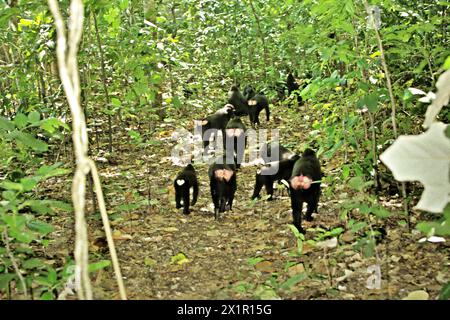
14	263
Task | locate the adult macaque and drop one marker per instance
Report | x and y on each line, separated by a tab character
305	187
255	105
274	151
236	140
236	99
222	182
186	180
256	102
271	172
215	122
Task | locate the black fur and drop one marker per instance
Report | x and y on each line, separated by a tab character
222	192
283	172
293	86
216	121
239	142
308	165
255	105
267	152
248	92
236	99
189	176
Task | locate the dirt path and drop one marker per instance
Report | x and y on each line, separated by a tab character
251	251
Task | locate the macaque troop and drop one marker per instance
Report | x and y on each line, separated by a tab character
300	173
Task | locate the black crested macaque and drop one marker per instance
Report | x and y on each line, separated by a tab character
271	172
215	122
248	92
305	187
274	151
255	104
186	180
293	86
236	99
222	182
236	139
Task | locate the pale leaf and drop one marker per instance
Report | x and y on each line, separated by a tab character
442	98
424	158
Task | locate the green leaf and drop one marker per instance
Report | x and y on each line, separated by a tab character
51	124
30	141
52	171
99	265
444	295
6	124
9	185
52	276
116	102
254	261
179	258
28	183
297	234
381	212
293	281
446	65
41	227
33	263
6	278
20	120
356	183
21	235
34	117
47	296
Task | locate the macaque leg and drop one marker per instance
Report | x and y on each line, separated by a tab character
269	188
178	198
258	186
297	212
186	200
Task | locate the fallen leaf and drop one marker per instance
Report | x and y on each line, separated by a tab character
170	229
179	259
417	295
330	243
213	233
298	268
347	237
265	266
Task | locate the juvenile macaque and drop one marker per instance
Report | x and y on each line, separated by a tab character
292	86
236	140
236	99
305	187
186	180
248	92
222	182
271	172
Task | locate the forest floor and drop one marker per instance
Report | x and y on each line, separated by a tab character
250	253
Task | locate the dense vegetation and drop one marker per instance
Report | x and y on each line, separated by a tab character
149	68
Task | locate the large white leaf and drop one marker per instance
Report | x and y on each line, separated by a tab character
442	98
424	158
